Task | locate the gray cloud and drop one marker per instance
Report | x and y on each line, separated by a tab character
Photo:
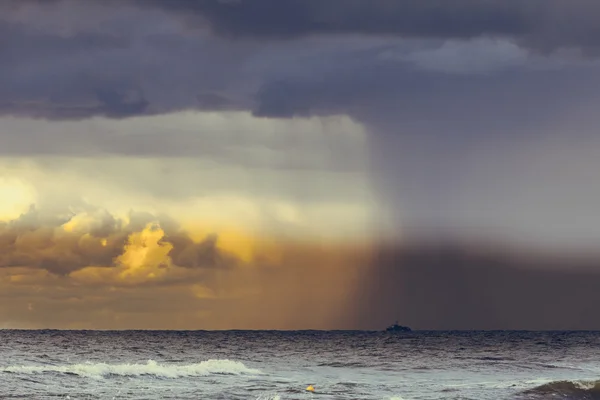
138	59
399	93
542	24
41	82
129	62
275	19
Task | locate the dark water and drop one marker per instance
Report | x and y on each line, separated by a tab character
280	365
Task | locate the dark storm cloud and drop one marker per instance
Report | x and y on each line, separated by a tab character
545	24
381	92
81	75
475	286
132	60
125	62
57	91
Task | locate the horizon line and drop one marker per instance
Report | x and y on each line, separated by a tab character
306	330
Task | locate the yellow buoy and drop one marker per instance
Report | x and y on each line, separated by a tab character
310	388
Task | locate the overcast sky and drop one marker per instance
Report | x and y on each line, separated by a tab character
239	148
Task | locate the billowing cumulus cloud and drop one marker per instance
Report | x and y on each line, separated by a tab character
97	239
143	270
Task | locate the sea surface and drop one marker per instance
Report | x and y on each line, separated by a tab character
280	365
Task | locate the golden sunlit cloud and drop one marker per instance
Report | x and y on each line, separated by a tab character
72	266
256	234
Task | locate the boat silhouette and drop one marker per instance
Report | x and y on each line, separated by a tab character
398	328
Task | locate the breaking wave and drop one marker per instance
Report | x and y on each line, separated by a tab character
150	368
573	390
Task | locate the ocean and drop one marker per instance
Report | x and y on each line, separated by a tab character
51	364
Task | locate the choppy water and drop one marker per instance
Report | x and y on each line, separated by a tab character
279	365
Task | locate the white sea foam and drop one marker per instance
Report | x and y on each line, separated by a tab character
269	397
100	370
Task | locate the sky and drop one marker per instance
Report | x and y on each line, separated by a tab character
299	164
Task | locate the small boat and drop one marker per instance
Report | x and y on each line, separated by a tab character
398	328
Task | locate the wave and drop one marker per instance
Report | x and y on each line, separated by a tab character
342	364
151	368
572	390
